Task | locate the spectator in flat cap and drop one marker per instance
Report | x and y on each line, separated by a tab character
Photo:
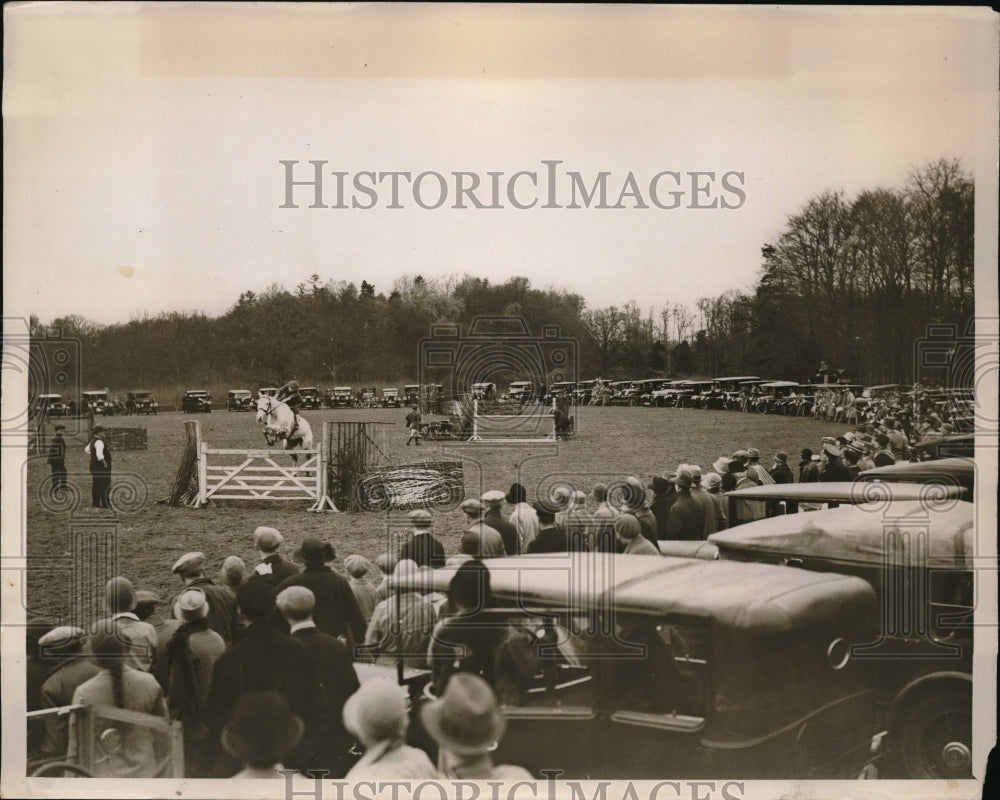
222	612
262	660
401	625
326	743
337	612
550	538
664	494
851	456
378	714
191	656
120	602
635	504
523	517
358	567
780	471
423	547
233	573
467	638
61	649
757	470
145	609
699	496
831	465
467	725
603	536
261	734
272	568
883	455
713	486
119	686
479	540
687	519
629	532
493	503
808	469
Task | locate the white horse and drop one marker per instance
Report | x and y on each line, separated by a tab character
280	422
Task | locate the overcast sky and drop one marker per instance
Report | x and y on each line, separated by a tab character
143	144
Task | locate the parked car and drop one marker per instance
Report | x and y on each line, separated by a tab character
196	401
945	471
954	445
918	557
239	400
646	667
484	391
311	398
141	401
390	397
51	405
342	397
522	391
96	400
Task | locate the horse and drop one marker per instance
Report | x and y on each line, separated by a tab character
280	422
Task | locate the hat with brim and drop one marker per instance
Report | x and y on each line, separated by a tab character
263	729
65	637
376	711
721	464
832	451
313	551
471	506
267	539
97	429
517	494
466	720
420	517
189	564
493	496
60	428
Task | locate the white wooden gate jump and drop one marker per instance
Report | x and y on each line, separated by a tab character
261	474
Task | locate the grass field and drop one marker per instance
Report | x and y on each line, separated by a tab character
610	443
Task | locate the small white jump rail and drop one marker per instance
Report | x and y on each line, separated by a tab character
263	474
477	437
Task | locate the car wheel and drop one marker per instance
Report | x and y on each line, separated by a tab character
934	735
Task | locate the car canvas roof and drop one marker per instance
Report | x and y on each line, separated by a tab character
743	378
866	534
853	492
739	595
43	396
961	470
779	384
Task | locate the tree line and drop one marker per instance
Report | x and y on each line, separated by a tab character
852	282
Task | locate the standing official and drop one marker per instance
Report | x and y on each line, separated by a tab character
100	467
57	460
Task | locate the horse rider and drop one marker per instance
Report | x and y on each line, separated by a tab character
289	395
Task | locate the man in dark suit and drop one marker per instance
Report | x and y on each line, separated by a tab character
57	459
327	743
337	612
263	660
190	568
272	569
550	539
422	547
493	502
100	467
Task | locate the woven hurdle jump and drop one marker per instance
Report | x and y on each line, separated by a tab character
477	437
241	474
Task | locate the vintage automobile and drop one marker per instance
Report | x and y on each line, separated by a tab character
196	401
239	400
562	389
96	400
957	471
51	405
918	557
521	391
648	667
390	397
789	498
484	391
411	394
953	445
311	398
341	397
141	401
667	395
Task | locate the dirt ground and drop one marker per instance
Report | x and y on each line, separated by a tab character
142	544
